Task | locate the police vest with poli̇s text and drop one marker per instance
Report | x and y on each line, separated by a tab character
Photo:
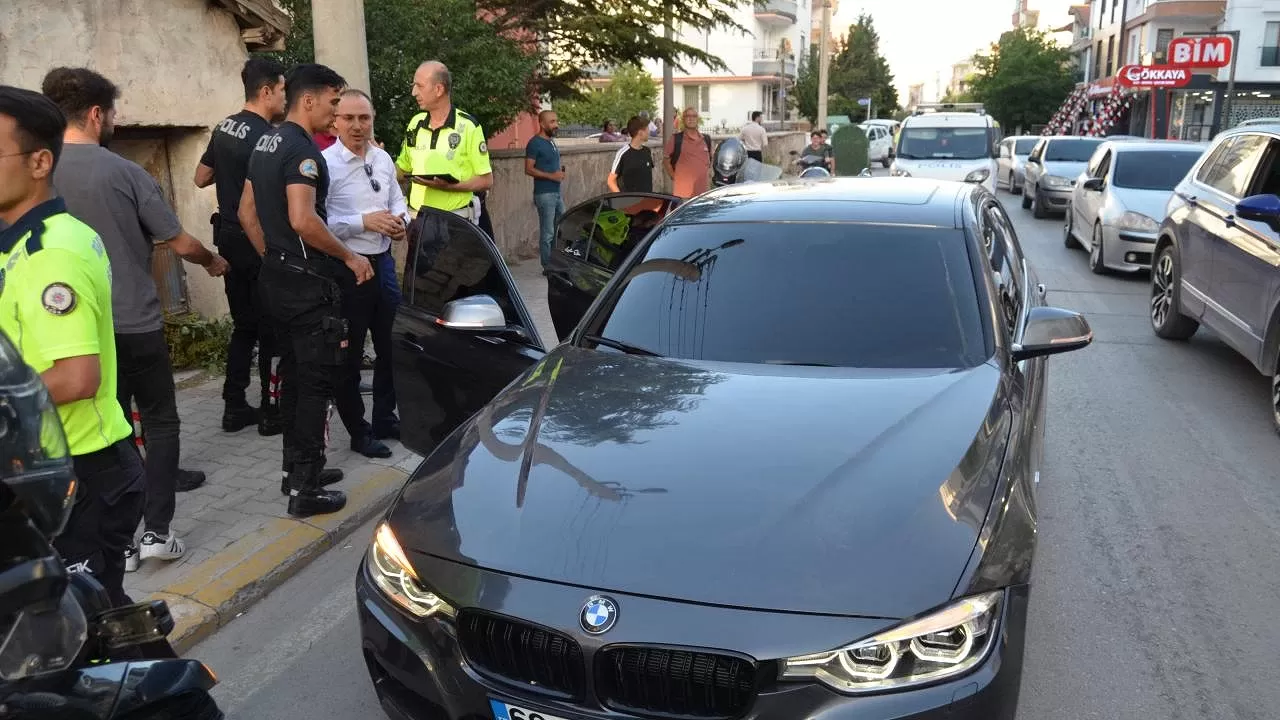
455	148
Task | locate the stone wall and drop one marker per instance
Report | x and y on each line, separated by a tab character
587	164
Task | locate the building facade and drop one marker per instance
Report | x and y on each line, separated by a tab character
762	65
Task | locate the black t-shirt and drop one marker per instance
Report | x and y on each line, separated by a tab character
228	154
283	157
634	168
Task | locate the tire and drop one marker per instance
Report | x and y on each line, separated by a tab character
1164	308
1096	264
1275	398
1039	212
1068	240
1015	189
1026	200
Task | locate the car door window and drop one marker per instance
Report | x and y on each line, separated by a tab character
620	223
1104	165
1233	170
1003	255
453	259
1267	179
573	234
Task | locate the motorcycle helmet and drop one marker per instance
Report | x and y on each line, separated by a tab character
730	158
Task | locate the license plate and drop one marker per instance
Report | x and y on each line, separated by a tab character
506	711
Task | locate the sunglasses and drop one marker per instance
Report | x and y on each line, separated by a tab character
368	171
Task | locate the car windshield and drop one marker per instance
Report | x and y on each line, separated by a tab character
1153	169
1071	150
829	294
923	143
1024	147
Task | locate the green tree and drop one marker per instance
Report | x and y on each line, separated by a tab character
492	74
631	90
857	70
1023	79
804	95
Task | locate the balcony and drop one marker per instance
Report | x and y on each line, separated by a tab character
1270	57
780	13
773	63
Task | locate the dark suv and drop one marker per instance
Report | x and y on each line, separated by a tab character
1217	259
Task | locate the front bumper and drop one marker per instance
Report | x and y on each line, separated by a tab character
1055	199
419	671
1127	250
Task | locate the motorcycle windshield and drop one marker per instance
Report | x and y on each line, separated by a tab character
39	643
756	171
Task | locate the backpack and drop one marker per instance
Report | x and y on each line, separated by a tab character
679	143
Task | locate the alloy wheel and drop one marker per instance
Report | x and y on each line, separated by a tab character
1162	289
1095	251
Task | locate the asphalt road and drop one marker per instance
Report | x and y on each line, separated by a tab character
1157	575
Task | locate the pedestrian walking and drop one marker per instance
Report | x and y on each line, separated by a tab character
125	206
688	158
56	306
542	163
283	212
367	212
225	164
444	153
632	169
754	137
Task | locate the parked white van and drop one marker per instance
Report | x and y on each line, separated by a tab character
948	141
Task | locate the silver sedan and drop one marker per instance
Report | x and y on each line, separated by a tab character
1118	202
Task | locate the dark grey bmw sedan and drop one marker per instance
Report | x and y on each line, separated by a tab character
782	464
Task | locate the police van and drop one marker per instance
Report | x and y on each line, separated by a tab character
948	141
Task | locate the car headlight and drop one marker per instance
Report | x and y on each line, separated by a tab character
1137	222
979	175
944	644
1056	181
393	574
898	172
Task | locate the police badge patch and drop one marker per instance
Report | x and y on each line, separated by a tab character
308	169
454	140
484	148
58	298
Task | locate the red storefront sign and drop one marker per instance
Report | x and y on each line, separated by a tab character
1153	76
1201	52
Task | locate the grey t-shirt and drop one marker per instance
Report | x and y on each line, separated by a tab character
124	205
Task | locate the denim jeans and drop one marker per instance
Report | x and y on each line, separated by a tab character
550	209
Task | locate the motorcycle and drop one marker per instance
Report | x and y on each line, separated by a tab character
731	166
64	651
810	168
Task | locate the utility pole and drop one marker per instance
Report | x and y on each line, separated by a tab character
824	65
338	29
668	81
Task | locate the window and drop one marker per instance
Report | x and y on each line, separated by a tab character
899	297
697	96
573	234
1097	61
1271	45
961	143
1023	147
1102	14
1164	36
1071	149
1267	180
1233	167
1133	53
1111	51
452	259
1002	248
1095	162
604	234
1153	169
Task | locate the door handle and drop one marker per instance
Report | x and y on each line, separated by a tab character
1040	289
1229	220
1191	200
410	342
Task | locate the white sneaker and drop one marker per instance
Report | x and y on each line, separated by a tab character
161	547
131	559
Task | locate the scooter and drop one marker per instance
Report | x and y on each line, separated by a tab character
732	166
64	651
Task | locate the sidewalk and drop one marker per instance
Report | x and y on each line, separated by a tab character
241	543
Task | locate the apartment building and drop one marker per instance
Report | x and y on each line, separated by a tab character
1257	86
762	64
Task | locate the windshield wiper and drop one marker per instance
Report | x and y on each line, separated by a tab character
798	363
619	345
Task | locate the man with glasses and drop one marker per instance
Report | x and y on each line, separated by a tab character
366	211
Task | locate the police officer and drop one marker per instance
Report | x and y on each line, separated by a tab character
443	140
225	164
283	212
55	304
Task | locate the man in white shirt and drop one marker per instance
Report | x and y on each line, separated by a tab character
754	137
367	212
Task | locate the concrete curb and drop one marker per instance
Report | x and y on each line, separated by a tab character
216	590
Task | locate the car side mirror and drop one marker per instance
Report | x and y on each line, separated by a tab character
477	313
1263	208
1095	184
1051	331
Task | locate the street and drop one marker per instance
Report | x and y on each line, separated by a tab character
1156	578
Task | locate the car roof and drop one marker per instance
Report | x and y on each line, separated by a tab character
958	119
1273	127
1123	146
883	200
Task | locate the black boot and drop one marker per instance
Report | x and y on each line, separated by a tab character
306	498
270	422
327	477
238	416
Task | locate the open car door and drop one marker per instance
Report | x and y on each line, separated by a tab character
592	239
461	333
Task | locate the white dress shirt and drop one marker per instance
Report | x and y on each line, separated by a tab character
351	195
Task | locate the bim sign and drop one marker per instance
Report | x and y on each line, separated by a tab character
1153	76
1201	52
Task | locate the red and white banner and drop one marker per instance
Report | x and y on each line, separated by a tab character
1153	76
1201	52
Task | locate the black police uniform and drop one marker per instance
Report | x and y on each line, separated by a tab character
228	154
300	291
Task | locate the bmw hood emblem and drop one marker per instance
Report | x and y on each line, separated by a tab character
599	614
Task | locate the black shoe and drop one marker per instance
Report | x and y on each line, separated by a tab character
371	448
327	477
270	423
189	480
238	417
306	503
390	432
366	388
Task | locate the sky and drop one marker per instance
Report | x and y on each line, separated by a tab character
922	38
